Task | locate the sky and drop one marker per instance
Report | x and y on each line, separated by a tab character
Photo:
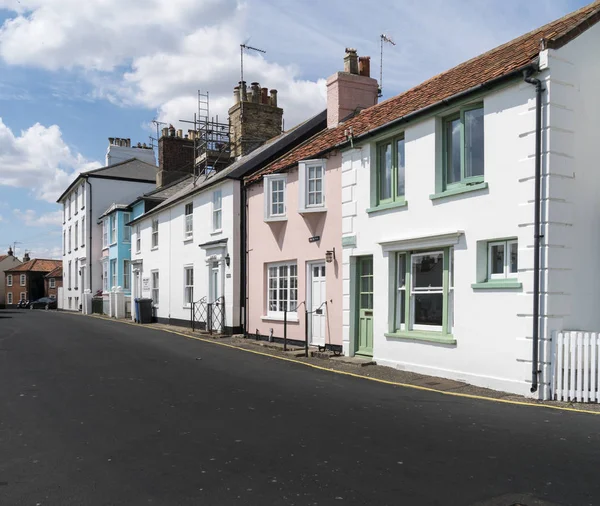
73	73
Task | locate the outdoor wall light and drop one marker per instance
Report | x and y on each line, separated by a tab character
330	256
227	260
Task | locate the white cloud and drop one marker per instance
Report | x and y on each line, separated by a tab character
39	159
31	218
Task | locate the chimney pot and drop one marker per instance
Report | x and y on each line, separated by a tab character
10	251
171	131
274	98
128	143
255	92
351	61
179	132
243	91
111	140
264	96
139	144
364	66
26	257
236	95
165	132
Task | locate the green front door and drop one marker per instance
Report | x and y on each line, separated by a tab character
364	341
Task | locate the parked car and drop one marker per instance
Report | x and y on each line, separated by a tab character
43	303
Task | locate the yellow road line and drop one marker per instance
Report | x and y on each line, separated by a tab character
354	375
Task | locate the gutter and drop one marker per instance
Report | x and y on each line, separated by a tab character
535	366
531	67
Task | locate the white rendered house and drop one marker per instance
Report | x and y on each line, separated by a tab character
84	201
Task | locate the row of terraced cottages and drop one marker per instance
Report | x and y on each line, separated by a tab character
419	231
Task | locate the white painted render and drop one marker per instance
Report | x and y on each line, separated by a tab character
175	252
104	192
117	154
493	329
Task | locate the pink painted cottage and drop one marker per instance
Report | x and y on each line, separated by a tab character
295	227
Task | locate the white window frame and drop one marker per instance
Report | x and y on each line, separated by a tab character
82	195
113	229
126	228
303	183
114	279
69	276
23	280
9	298
188	221
104	233
52	283
23	296
138	238
64	242
506	273
76	235
105	276
9	280
188	286
64	212
425	290
69	204
83	232
155	280
292	304
154	233
217	211
268	197
76	201
76	274
69	239
126	274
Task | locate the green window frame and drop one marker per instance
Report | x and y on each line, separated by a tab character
460	169
391	170
403	320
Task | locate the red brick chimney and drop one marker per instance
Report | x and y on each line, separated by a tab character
351	89
175	156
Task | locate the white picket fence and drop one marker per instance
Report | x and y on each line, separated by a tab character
576	372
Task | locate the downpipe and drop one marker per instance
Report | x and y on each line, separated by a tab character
539	89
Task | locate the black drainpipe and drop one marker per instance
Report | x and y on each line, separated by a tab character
89	224
243	253
539	89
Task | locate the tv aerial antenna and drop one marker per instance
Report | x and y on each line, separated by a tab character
387	39
246	47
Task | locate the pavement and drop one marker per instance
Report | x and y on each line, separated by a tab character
95	412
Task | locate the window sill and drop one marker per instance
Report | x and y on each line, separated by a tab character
275	218
154	248
290	319
310	210
388	205
432	337
459	190
217	232
498	284
185	241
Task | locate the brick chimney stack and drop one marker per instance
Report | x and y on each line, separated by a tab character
26	257
352	89
176	157
254	118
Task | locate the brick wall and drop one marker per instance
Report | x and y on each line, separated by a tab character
48	290
175	159
16	289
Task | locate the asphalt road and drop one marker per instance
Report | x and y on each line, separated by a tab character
94	412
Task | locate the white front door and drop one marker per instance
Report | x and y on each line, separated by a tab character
214	294
318	294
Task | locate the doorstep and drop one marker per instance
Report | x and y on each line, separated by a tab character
358	361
